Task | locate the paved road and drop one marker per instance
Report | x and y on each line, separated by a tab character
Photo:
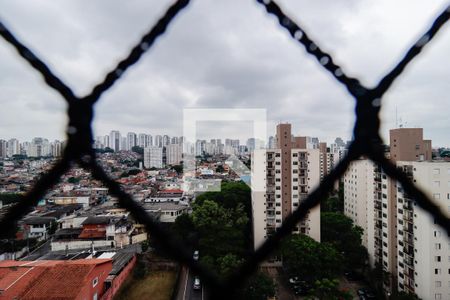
186	287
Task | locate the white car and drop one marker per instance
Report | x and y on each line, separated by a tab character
196	255
197	284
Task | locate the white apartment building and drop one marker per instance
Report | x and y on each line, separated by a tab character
424	247
3	148
115	140
272	202
359	203
173	154
153	157
39	147
131	141
13	147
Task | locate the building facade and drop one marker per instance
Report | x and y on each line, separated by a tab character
281	180
153	157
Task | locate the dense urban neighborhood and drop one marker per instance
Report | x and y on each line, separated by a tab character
83	245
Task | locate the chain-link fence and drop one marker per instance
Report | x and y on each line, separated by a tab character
367	142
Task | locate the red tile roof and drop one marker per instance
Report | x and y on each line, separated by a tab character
45	280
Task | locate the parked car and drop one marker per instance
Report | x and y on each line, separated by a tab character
365	294
294	280
196	255
197	284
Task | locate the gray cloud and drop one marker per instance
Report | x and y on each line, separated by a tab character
221	54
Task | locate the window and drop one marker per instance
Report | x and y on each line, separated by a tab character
437	258
436	172
438	283
436	183
437	296
94	281
437	196
437	271
437	246
437	233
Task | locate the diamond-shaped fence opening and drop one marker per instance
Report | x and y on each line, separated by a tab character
367	142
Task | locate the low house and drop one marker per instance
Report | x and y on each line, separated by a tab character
38	227
54	279
167	211
99	232
175	195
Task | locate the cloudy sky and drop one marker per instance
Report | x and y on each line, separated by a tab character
222	54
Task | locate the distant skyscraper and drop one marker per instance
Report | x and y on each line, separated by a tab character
153	157
131	140
271	144
150	140
158	142
166	140
13	147
143	140
173	154
39	147
106	141
115	140
174	140
123	144
56	148
3	148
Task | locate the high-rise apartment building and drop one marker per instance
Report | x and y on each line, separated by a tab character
399	236
115	140
158	142
39	147
131	141
13	147
423	261
56	148
3	144
153	157
165	140
173	154
281	179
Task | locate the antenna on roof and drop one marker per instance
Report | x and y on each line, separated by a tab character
396	118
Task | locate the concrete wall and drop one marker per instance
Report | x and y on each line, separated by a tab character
77	244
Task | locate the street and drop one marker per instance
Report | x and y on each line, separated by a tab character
186	289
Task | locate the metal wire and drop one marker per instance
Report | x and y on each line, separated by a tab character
367	141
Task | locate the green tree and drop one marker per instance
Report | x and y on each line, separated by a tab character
8	198
310	260
230	196
332	204
220	169
338	230
138	150
221	231
259	287
326	289
178	168
184	229
227	264
73	180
